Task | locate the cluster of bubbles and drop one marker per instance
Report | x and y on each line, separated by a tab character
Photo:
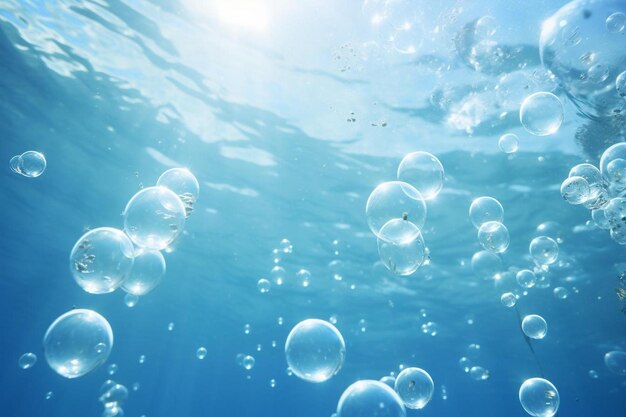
413	388
278	274
601	190
396	211
29	164
112	396
487	214
543	251
105	259
469	366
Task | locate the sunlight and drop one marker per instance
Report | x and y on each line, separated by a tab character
250	15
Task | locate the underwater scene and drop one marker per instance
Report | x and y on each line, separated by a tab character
321	208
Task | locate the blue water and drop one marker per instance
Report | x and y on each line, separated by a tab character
255	99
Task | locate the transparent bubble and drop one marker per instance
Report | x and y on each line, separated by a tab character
478	373
534	326
508	299
388	380
394	200
248	362
544	250
541	113
72	343
286	246
539	397
112	369
508	143
401	247
573	41
560	293
146	273
615	361
526	278
184	184
613	165
49	395
247	328
616	174
429	328
304	277
131	300
597	73
27	360
370	398
278	275
465	364
616	22
315	350
473	351
154	218
620	85
486	264
114	395
101	260
263	285
170	327
485	209
415	387
593	374
600	219
31	164
587	171
575	190
424	172
136	386
201	353
494	237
